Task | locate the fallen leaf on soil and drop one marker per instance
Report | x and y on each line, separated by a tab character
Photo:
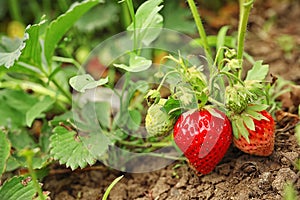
286	119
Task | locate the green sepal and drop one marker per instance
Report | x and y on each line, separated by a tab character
256	115
213	112
152	97
257	107
235	130
248	121
242	129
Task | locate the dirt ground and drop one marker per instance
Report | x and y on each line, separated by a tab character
239	176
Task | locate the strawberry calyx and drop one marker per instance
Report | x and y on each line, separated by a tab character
243	122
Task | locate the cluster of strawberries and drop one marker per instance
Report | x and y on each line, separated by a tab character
205	132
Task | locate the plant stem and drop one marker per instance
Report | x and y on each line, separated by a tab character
105	196
155	144
245	7
201	30
164	78
67	60
14	10
35	87
132	14
65	93
28	154
125	15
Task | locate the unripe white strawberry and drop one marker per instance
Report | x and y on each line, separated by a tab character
158	121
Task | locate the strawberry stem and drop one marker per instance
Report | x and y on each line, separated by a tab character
201	30
164	78
245	7
132	15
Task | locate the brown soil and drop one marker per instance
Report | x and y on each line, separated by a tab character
239	176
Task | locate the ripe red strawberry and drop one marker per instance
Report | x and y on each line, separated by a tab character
261	139
203	138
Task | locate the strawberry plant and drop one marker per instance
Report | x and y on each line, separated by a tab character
120	114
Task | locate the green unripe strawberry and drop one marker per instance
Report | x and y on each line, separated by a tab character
158	121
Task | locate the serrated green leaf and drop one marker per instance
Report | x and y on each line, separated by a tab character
75	151
242	129
248	122
136	64
258	71
4	151
148	21
11	50
36	110
32	52
13	189
63	23
84	82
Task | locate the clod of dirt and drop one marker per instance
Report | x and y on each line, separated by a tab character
160	187
283	176
265	181
65	196
289	157
182	181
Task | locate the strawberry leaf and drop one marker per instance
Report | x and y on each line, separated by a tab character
248	122
258	71
136	64
4	151
37	109
11	50
57	28
33	49
84	82
17	188
70	149
148	22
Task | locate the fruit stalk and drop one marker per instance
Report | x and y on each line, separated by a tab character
201	30
245	7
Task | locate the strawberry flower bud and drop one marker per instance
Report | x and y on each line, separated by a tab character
152	97
236	98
